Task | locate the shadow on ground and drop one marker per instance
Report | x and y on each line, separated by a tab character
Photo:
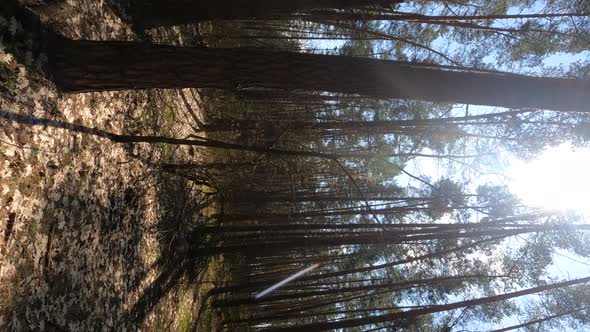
179	241
88	263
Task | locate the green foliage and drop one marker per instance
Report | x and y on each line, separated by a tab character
445	196
496	201
382	169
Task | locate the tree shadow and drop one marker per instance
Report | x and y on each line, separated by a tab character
93	263
180	242
77	263
84	262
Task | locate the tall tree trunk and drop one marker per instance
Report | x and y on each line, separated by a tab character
347	323
283	244
381	126
366	289
155	13
111	65
539	320
323	276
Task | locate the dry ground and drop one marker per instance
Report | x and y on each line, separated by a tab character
80	217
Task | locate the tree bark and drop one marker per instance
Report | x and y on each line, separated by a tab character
80	66
282	244
365	289
381	126
155	13
347	323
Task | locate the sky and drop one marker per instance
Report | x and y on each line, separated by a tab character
558	178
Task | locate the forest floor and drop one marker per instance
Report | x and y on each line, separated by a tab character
85	224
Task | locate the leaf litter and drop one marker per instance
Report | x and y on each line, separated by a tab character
75	252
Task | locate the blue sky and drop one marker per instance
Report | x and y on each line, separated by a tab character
566	264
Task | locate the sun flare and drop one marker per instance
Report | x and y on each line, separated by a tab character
558	179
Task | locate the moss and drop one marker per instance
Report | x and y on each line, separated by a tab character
185	312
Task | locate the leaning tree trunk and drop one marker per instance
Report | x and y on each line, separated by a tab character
353	322
80	66
155	13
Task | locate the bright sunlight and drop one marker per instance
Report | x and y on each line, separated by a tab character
558	179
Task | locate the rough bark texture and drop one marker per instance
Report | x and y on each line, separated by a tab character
154	13
80	66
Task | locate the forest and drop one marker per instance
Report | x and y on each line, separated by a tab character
303	165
